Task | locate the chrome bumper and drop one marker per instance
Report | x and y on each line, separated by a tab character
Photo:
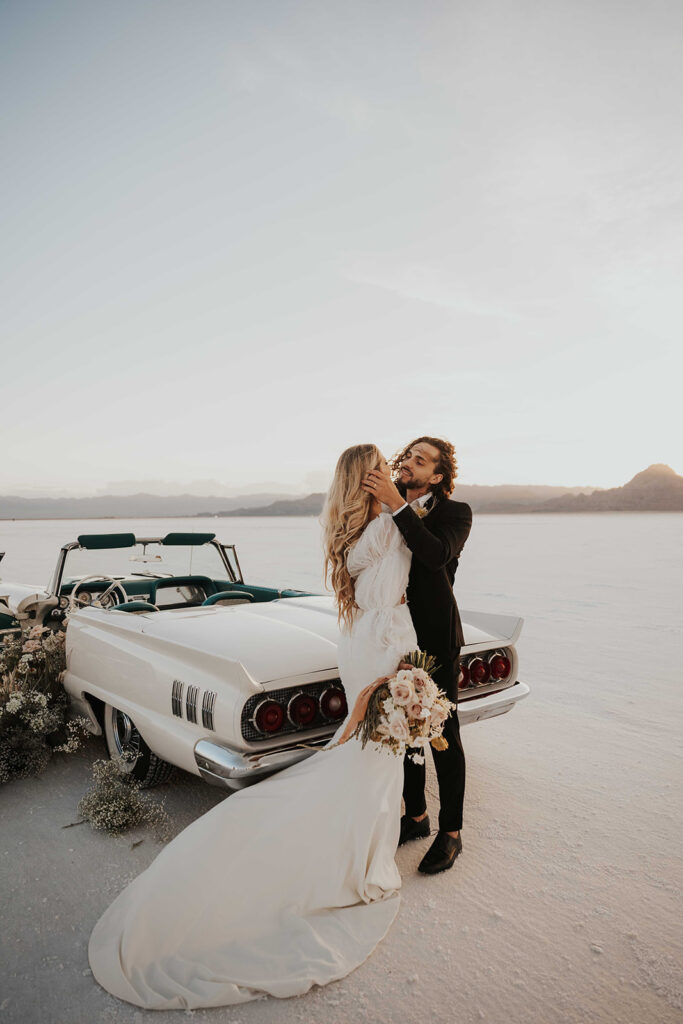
487	706
224	767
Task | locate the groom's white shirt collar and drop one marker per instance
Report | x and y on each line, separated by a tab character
421	502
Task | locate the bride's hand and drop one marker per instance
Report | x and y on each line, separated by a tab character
360	707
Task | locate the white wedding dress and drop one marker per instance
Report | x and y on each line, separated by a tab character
288	883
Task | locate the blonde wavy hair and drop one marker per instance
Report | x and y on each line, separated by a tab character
344	517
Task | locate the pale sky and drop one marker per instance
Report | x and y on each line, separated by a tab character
241	236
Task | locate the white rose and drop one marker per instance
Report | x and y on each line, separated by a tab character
398	728
437	717
402	690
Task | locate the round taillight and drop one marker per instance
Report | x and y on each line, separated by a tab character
302	709
464	678
269	716
500	666
479	671
333	703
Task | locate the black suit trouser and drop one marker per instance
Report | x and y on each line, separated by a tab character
450	774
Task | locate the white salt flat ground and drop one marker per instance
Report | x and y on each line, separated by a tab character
565	905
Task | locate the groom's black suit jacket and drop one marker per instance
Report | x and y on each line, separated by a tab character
436	542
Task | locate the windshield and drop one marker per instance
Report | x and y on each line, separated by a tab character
151	560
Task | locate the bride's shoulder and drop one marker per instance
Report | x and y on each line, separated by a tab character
372	543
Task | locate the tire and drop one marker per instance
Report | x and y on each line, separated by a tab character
122	736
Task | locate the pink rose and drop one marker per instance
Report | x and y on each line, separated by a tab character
414	709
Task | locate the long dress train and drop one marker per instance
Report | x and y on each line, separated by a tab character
288	883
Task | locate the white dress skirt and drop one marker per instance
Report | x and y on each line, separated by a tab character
291	882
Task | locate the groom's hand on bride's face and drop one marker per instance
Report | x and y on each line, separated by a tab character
378	482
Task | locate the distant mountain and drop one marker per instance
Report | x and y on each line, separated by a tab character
311	505
496	498
128	506
656	489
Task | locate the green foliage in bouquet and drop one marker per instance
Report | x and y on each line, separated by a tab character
115	804
420	659
368	729
33	703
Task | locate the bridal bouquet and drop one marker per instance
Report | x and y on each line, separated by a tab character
409	710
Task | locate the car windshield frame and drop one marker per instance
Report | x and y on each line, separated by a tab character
226	553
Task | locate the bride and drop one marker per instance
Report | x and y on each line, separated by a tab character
291	882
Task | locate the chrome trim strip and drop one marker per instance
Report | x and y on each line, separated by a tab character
191	703
208	704
177	697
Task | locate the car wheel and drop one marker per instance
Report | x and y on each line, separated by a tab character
122	737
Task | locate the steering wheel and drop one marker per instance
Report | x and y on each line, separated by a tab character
115	585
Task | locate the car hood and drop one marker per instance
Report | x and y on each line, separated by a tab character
271	640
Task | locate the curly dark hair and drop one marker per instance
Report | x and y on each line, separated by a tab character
447	464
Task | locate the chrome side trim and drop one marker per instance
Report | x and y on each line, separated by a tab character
177	697
208	704
191	703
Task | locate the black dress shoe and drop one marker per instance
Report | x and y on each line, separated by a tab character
441	854
411	829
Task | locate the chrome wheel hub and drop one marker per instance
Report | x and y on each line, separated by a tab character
126	736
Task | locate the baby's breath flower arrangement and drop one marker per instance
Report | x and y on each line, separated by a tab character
409	710
33	703
115	804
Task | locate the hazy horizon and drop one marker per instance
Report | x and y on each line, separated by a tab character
208	488
239	238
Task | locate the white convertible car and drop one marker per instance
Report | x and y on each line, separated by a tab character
174	658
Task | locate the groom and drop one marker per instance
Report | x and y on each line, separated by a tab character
435	529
